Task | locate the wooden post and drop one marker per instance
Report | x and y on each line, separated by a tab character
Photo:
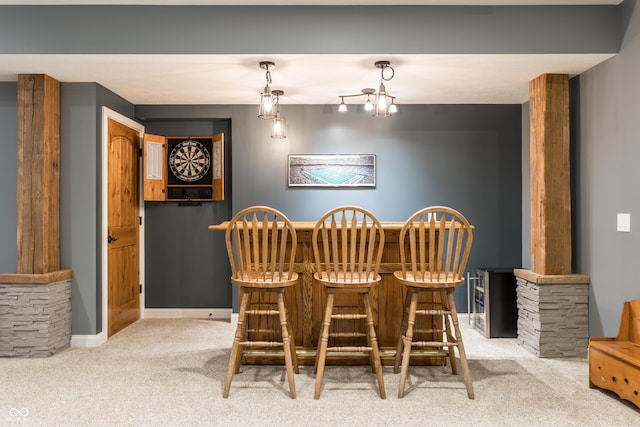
550	175
38	174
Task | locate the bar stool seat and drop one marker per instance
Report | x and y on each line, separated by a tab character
262	268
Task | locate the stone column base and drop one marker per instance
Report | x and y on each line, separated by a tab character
35	313
553	314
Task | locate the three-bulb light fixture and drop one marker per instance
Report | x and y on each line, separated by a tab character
270	103
383	104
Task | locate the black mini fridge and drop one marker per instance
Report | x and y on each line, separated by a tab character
495	309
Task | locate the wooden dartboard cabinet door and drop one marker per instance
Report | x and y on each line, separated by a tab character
154	167
183	168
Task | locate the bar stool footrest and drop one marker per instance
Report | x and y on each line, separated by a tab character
347	335
352	349
269	344
348	316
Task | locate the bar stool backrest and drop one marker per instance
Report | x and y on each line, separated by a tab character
256	240
435	243
347	245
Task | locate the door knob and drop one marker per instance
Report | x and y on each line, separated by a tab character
111	239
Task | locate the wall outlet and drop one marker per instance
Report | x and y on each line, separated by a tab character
624	222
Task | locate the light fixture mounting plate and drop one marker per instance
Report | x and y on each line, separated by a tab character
267	65
277	92
368	91
382	64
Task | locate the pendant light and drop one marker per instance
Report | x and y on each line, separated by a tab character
383	104
266	110
277	127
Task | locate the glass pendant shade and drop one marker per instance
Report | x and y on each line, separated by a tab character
342	107
368	106
277	130
381	106
266	110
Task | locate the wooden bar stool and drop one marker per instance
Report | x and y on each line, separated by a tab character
256	239
434	248
347	246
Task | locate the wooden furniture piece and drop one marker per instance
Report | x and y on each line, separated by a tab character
189	168
347	247
434	248
305	302
614	363
261	245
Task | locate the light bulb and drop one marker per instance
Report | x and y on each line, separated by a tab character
368	106
267	105
277	131
382	102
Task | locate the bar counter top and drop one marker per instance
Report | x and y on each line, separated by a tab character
308	225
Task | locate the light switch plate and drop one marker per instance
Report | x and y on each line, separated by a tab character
624	222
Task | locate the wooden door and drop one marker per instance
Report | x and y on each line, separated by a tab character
123	227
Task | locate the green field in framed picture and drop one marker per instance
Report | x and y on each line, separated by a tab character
332	170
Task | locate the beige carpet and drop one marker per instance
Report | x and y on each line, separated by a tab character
171	373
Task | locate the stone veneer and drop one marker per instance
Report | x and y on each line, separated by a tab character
553	314
35	318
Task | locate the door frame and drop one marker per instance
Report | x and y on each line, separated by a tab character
107	114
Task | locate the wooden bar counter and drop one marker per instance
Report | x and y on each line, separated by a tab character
305	301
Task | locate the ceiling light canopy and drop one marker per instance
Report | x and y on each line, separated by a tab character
382	104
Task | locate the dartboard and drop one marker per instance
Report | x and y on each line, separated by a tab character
189	160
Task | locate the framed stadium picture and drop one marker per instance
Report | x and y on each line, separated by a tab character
332	170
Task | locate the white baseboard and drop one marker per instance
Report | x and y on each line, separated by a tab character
88	340
187	313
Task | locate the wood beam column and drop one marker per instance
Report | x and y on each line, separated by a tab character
38	174
550	175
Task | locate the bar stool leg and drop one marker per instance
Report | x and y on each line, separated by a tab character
408	338
403	330
463	357
236	349
322	345
447	329
292	342
373	339
244	325
362	296
286	344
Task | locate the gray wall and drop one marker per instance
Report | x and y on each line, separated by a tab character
307	29
608	154
79	180
80	196
80	135
185	266
8	177
605	142
526	188
464	156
